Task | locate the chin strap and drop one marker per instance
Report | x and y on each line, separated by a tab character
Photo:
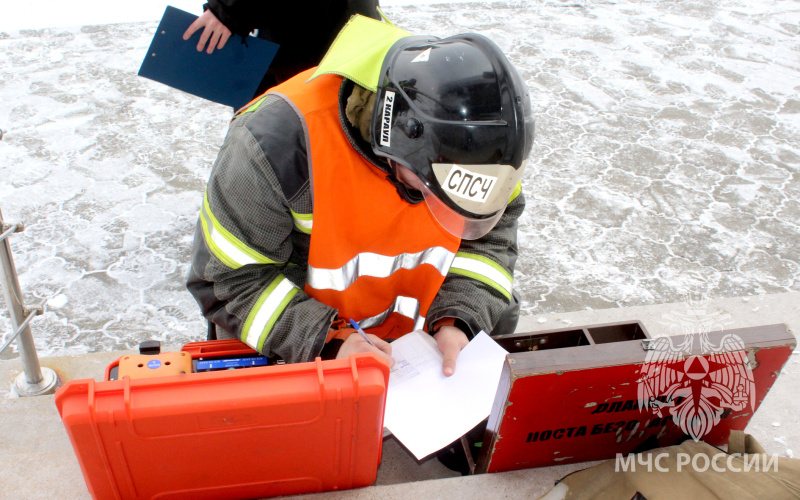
410	195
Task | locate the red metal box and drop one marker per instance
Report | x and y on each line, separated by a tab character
244	433
587	394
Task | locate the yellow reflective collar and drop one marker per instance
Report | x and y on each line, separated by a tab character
359	49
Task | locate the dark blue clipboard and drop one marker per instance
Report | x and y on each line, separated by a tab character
230	75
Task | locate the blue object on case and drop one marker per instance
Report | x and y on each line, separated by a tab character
230	75
224	364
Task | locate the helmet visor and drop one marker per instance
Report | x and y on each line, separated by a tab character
459	224
477	190
466	228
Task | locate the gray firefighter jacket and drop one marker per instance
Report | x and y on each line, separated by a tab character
254	227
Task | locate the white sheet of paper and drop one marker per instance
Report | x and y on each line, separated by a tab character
425	410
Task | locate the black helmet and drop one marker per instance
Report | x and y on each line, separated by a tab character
455	113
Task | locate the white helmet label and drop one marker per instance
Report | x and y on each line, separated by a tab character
386	119
470	185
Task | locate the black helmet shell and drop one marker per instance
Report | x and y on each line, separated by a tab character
456	100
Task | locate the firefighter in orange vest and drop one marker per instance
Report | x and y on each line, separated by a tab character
395	205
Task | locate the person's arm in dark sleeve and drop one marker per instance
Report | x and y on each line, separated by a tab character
243	16
478	286
243	274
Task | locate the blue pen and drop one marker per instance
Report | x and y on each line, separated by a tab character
363	334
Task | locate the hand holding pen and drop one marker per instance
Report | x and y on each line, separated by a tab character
363	342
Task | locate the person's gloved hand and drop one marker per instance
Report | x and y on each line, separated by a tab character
212	28
450	340
356	343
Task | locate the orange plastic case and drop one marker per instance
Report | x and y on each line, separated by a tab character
145	366
245	433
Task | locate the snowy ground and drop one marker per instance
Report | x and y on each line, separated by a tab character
666	164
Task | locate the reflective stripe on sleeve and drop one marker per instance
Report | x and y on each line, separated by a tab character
266	311
378	266
407	306
484	270
225	246
303	222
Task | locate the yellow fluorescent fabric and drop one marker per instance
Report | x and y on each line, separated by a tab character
516	192
225	246
252	106
484	270
383	16
266	311
358	51
303	222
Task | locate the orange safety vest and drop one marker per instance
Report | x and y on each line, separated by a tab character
373	256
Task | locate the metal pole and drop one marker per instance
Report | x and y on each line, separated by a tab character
34	381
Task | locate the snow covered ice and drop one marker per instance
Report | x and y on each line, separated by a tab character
666	162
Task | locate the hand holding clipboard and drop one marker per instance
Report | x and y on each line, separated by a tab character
230	76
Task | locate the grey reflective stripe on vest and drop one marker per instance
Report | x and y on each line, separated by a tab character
407	306
377	266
